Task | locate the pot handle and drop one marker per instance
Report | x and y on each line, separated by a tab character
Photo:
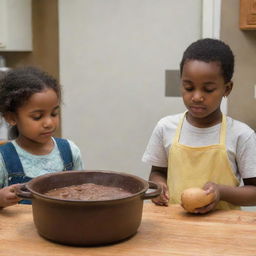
22	191
155	193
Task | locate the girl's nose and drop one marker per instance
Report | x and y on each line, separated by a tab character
48	122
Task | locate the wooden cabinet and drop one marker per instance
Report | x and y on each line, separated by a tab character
247	14
15	25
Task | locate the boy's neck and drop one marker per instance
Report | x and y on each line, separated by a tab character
211	120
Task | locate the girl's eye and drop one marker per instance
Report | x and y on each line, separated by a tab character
55	114
36	118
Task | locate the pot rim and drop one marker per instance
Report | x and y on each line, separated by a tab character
43	196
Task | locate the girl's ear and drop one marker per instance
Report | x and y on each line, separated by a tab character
228	88
10	118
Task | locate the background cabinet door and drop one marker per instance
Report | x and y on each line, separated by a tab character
247	14
15	25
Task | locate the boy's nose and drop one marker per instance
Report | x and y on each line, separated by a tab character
197	97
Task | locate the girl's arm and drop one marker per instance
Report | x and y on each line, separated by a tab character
8	196
159	175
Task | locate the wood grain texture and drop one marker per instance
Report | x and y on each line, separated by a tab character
247	14
163	231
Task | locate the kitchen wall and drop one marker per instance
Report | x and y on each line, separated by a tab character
241	102
113	58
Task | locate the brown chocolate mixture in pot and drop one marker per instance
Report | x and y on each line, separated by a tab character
88	191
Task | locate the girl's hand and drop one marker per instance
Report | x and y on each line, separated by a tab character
8	196
210	187
163	199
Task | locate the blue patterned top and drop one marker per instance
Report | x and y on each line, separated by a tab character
35	165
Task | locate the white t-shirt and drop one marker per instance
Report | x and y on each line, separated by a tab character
240	143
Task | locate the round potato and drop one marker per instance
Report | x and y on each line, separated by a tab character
193	198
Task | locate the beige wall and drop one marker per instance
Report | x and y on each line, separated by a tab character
241	102
113	58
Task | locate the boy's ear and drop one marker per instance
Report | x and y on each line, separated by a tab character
10	118
228	88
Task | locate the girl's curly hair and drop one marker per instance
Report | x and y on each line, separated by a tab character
18	85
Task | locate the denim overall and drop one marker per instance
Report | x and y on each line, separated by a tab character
14	167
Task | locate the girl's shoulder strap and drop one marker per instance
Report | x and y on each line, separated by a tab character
65	152
11	158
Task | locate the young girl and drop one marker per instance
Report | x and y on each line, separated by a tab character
30	103
203	147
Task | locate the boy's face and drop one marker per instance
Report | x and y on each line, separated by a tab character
202	87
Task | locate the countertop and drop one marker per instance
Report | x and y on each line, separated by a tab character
163	231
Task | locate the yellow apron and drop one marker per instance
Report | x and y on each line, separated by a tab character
195	166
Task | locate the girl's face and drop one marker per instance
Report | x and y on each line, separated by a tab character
202	87
38	118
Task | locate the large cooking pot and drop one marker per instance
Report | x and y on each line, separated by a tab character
77	222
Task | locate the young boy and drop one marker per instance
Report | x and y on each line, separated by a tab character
202	147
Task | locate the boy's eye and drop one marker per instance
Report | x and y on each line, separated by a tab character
188	88
209	90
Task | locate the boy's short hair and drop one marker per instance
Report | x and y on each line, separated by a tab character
209	50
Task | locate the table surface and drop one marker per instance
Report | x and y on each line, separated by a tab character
163	231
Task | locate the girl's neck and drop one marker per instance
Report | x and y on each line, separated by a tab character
211	120
34	147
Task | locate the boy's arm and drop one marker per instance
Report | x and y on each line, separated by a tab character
159	175
242	196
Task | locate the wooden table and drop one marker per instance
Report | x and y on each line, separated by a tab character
163	231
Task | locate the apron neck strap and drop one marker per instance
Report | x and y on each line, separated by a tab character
178	130
222	129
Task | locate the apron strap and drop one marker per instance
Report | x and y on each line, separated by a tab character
222	129
178	130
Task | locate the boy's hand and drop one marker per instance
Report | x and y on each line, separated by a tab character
8	196
163	199
210	187
159	175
